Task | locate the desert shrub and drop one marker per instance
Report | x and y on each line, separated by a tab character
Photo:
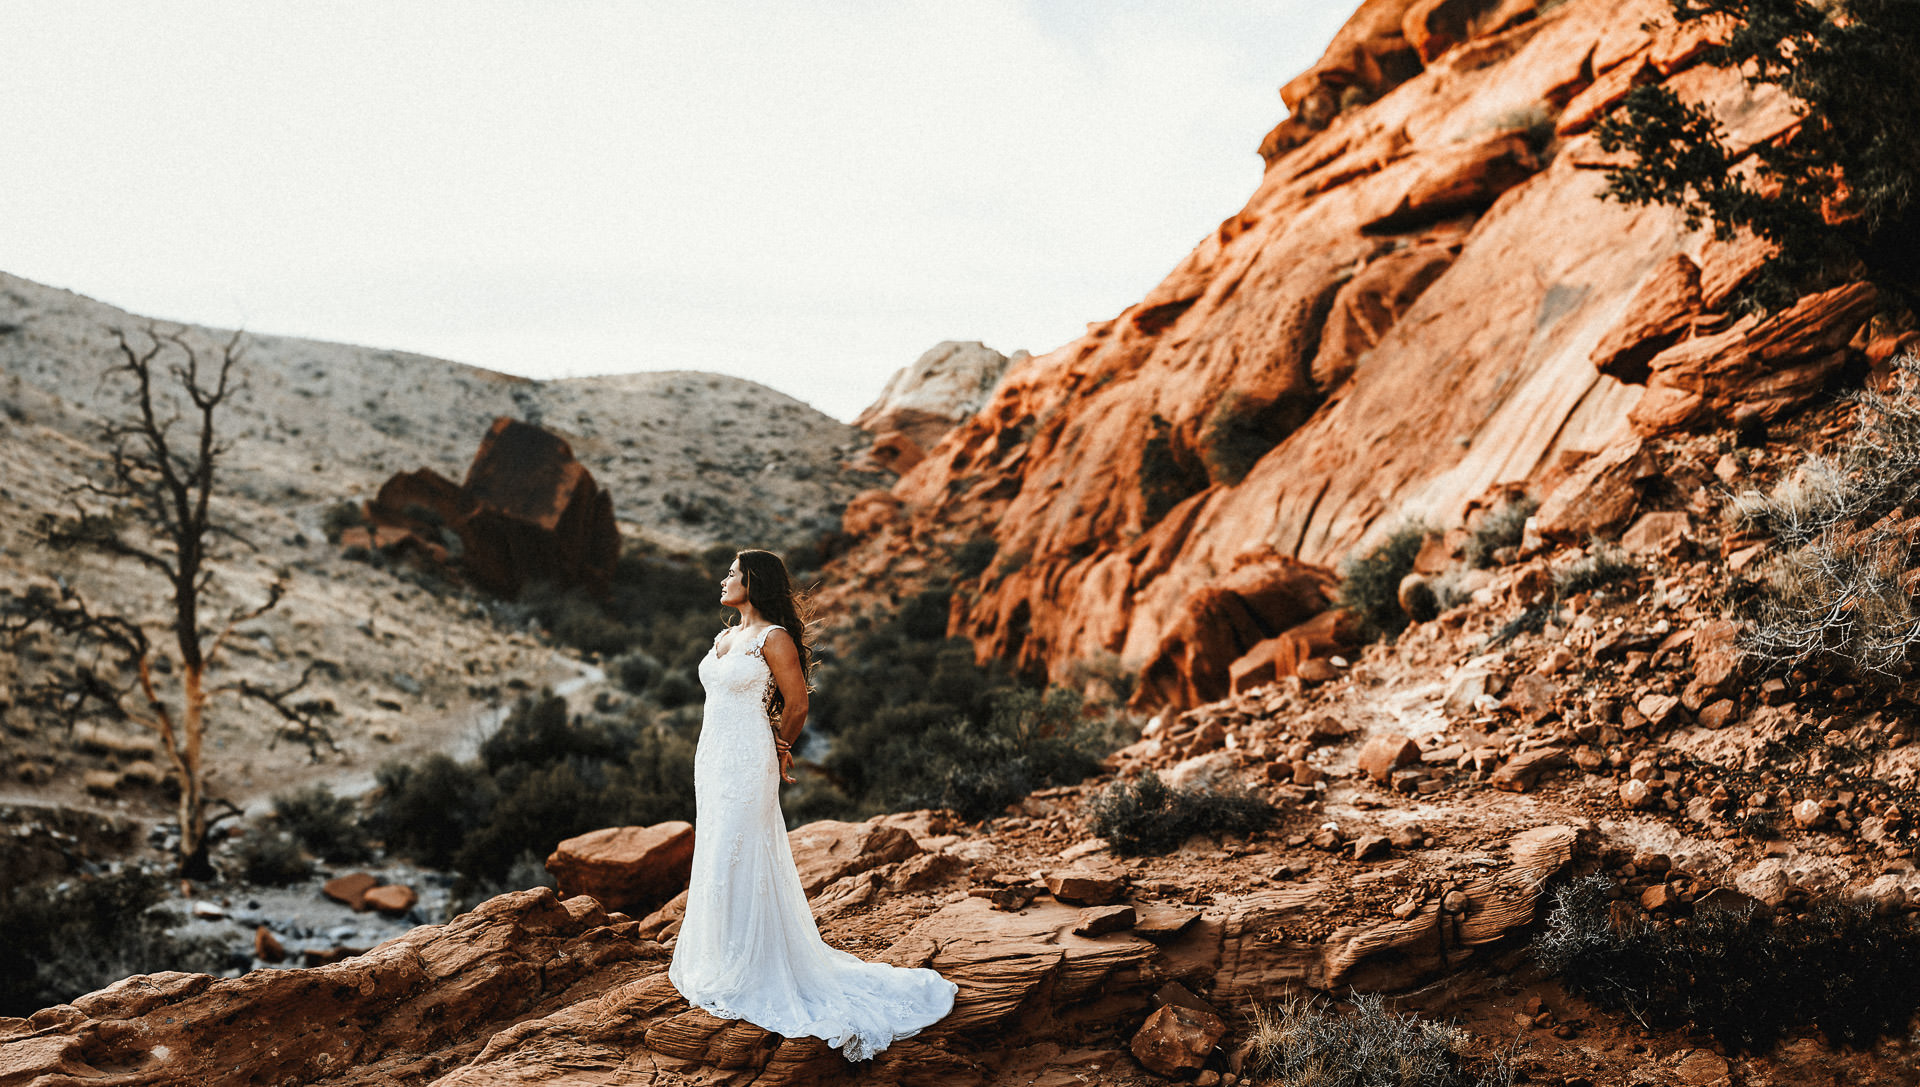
678	687
1169	475
340	517
1534	123
74	936
1370	583
1240	430
425	810
1502	526
544	775
1839	598
324	823
1146	815
270	857
1309	1044
972	558
1029	740
1738	975
1599	567
924	615
635	671
538	731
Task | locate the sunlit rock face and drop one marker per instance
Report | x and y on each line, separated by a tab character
922	402
1425	298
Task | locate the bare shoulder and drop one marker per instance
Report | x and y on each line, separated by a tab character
779	640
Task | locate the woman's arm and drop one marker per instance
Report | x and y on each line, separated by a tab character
783	660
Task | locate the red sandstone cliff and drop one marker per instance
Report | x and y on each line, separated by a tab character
1425	298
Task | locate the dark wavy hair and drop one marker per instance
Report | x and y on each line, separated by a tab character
770	590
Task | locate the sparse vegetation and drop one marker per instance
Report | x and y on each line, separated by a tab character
542	777
1738	975
972	558
77	935
1499	528
340	517
1840	597
270	857
1240	430
1146	815
323	823
164	452
1601	566
1370	583
1169	475
1306	1043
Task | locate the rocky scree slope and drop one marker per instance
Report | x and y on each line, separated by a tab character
1424	299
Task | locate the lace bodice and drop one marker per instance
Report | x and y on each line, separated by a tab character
749	948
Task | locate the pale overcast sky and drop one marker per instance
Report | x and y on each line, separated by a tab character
805	194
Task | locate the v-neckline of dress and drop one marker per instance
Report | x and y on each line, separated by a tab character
719	656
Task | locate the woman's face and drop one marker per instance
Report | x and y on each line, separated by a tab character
733	587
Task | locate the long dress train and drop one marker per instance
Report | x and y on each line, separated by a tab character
748	947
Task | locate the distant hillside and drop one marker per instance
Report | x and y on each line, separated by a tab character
690	458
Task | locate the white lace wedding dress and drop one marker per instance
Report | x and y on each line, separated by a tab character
748	947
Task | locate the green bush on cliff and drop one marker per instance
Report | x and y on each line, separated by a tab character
1148	816
1736	974
1836	196
1370	583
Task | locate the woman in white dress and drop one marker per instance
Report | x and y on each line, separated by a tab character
748	947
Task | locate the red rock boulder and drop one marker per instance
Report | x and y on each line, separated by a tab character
628	869
527	511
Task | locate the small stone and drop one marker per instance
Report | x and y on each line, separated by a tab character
1407	836
1385	754
1808	814
1328	838
1657	897
1175	1038
1702	1068
266	946
1368	846
1657	533
1326	729
1524	769
1774	692
1455	901
1085	888
1316	670
350	890
391	898
1634	793
1718	715
1658	709
1406	781
1305	773
1100	920
1406	908
1013	899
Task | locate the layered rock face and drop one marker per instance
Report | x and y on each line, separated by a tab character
528	511
922	402
1425	298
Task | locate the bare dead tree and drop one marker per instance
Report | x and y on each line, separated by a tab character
160	474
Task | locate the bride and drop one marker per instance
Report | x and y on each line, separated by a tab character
748	947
